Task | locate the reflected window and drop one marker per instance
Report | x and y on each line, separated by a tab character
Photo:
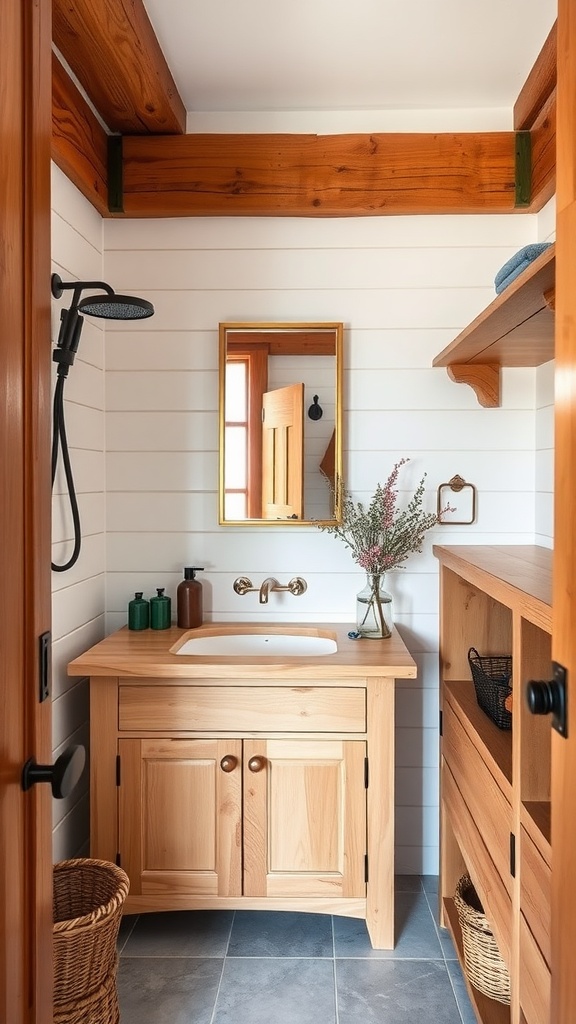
236	439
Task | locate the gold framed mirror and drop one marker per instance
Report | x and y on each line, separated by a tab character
280	423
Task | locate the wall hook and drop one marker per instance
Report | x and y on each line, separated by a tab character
315	412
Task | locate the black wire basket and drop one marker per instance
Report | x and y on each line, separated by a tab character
491	676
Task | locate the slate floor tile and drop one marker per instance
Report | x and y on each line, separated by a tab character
283	933
282	991
181	933
158	990
394	992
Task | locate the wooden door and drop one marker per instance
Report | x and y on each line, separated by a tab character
283	453
304	818
564	596
180	816
25	818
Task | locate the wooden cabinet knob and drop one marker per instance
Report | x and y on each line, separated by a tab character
256	764
229	763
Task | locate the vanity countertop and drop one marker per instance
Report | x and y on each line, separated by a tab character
147	653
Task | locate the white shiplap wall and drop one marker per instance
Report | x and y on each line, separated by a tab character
403	286
78	596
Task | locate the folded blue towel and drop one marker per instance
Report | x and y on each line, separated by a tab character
517	263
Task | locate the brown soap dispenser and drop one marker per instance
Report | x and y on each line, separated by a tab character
189	599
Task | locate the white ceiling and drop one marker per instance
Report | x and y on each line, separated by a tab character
262	55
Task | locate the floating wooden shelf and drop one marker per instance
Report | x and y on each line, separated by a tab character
516	329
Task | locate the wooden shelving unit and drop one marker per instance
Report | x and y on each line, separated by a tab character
495	791
495	744
516	329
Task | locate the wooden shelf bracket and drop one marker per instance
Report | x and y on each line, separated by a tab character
484	379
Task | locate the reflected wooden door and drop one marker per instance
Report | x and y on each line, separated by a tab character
25	818
564	598
283	453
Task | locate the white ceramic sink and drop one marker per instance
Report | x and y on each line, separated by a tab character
264	645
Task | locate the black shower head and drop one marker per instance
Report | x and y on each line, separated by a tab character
116	307
108	306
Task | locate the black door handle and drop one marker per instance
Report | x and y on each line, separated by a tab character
547	697
63	776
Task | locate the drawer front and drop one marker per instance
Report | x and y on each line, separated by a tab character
534	981
242	709
536	893
495	898
484	799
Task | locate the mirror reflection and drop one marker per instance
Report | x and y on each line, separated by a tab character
280	422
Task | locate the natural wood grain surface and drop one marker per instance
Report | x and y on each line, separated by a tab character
26	974
128	654
484	379
487	881
79	142
487	804
494	744
535	892
516	329
113	51
539	85
534	979
313	175
544	155
223	708
519	576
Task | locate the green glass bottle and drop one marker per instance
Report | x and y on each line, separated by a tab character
138	612
160	610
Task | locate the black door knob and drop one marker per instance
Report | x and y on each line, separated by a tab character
542	697
63	776
545	697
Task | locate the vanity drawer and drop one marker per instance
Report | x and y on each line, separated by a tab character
250	709
486	803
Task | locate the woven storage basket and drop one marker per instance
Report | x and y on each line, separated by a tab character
88	896
491	676
485	968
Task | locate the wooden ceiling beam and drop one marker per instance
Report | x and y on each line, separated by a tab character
543	134
318	176
112	49
538	87
79	143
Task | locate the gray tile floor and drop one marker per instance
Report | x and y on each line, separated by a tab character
221	967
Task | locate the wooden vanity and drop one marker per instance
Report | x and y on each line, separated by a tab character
247	783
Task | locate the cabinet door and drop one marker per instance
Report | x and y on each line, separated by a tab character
180	816
304	818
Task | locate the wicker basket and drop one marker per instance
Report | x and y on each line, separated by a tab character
485	968
491	676
88	896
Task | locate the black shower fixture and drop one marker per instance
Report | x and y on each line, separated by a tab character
108	306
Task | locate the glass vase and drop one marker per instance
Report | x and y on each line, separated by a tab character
374	609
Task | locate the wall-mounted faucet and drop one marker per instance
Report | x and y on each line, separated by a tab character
243	585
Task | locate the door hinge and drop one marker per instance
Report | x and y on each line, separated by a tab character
117	769
513	855
365	867
44	665
441	723
365	773
118	860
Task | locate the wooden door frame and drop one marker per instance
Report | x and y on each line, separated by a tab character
25	724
